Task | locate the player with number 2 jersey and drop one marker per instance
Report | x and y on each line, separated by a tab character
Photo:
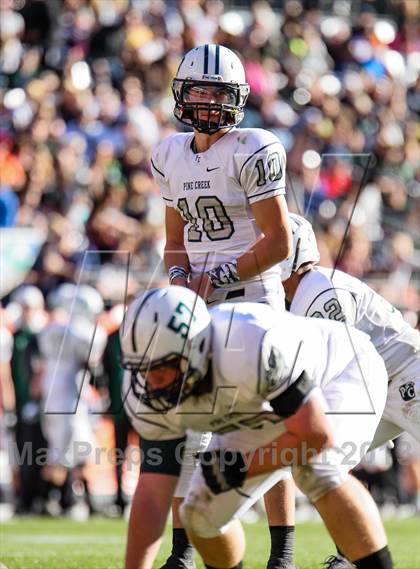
320	292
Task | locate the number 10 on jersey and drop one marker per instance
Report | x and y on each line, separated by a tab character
216	223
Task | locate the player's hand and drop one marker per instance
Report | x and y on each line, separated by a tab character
223	469
201	285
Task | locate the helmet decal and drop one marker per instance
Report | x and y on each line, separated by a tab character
206	59
216	65
148	294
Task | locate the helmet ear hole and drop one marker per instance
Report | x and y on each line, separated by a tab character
201	346
156	317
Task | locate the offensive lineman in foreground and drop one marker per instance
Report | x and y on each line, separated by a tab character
322	292
260	382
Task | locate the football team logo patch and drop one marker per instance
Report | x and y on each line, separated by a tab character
273	370
407	391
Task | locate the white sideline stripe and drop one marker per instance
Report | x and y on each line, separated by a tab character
47	538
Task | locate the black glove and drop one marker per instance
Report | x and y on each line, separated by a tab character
223	469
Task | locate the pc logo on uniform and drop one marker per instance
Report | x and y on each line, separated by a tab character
407	391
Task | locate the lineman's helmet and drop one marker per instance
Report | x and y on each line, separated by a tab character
210	89
166	327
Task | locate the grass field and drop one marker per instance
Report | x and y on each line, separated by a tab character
99	544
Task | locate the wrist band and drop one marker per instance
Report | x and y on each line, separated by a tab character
177	272
224	275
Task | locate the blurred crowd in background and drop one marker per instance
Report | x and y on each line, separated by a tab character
85	93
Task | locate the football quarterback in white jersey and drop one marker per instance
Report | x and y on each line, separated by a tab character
69	345
226	214
261	381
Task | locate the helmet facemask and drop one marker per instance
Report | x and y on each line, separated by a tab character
209	116
166	398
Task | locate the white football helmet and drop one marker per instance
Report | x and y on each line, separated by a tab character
305	248
219	70
81	301
28	296
166	327
94	305
62	297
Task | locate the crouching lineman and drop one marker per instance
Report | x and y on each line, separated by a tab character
320	292
260	382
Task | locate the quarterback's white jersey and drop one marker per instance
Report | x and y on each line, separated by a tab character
66	349
213	191
256	354
342	297
6	345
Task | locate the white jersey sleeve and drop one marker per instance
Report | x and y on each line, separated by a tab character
6	345
261	351
285	356
83	342
158	161
317	297
334	304
50	340
77	342
66	350
334	295
261	165
238	331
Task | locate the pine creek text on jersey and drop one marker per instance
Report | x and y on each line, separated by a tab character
197	185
